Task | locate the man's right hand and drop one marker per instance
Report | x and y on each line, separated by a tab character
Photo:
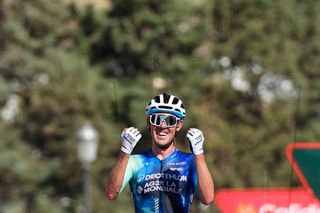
129	139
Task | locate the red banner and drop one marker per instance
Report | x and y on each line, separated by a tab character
283	200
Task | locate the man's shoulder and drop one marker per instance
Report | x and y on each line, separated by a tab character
146	154
137	161
182	153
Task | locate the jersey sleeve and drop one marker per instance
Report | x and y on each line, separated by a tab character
194	176
128	174
134	163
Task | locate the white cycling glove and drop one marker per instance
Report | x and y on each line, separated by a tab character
196	140
129	139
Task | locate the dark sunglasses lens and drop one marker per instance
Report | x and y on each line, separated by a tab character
156	119
171	120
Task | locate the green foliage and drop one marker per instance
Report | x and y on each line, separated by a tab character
64	66
271	33
143	38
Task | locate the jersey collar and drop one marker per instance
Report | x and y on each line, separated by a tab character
170	156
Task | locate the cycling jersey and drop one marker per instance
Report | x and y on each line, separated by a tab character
161	186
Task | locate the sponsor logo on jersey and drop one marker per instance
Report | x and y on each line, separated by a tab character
162	176
176	169
159	185
176	163
163	182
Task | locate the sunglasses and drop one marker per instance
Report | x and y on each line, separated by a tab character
157	118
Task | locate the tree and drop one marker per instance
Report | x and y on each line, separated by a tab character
55	88
261	39
246	71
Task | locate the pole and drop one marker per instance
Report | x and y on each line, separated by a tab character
87	188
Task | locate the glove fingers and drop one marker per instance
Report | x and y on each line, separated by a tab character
130	129
129	138
191	133
139	136
196	140
136	132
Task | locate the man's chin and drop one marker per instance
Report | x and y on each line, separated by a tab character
164	146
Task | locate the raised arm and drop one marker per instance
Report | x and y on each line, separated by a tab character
129	139
204	178
116	176
205	182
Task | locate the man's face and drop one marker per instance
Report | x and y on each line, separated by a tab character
163	128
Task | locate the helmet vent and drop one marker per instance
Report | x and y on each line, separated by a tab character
166	98
157	99
175	100
165	107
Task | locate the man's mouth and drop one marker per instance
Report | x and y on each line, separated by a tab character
162	133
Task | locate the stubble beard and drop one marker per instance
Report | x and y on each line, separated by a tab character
165	146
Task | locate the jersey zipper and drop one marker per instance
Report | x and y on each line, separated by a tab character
161	194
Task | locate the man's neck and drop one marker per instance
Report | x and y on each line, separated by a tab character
163	153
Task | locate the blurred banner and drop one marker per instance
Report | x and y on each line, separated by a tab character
271	200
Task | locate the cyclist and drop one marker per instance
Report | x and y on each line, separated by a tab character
163	179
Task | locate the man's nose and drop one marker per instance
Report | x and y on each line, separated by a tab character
163	124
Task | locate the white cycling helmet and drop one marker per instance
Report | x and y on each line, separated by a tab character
166	103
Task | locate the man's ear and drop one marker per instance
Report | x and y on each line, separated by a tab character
179	125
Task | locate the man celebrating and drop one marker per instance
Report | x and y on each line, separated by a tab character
163	179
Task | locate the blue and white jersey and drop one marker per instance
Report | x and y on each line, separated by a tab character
161	186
